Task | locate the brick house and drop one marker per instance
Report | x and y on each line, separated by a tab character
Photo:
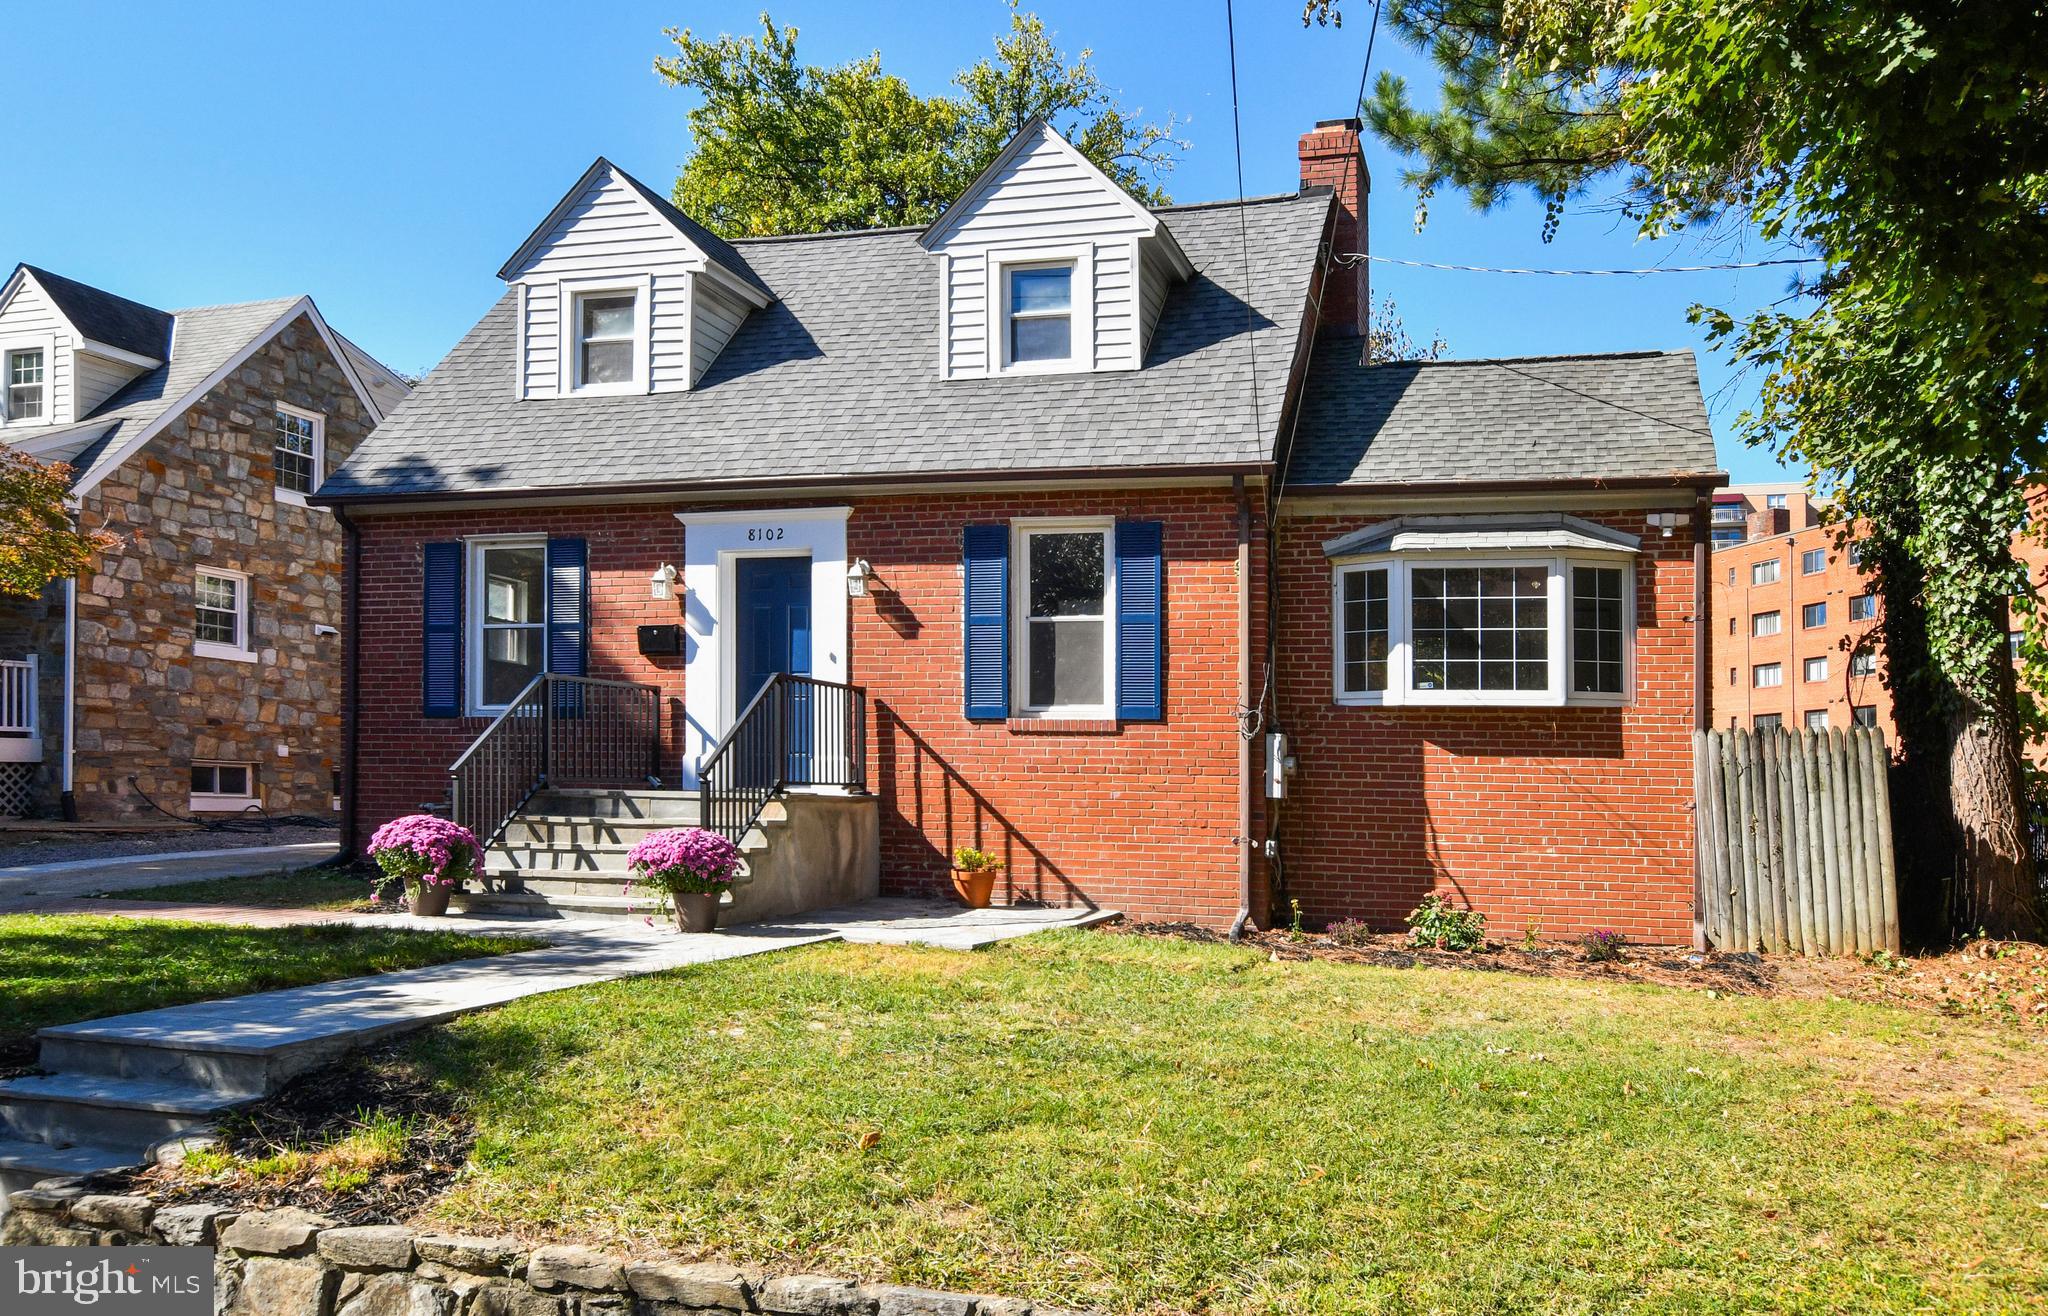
1061	527
197	668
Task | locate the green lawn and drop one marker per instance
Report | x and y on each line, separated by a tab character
1149	1125
59	968
300	888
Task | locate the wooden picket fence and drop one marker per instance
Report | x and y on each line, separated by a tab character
1795	841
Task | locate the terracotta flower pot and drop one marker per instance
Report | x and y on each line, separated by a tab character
697	911
975	887
426	900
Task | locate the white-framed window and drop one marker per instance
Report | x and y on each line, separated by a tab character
1813	615
1768	721
604	341
1764	572
2015	644
507	595
220	615
1816	719
1862	607
1817	669
1443	628
1864	715
27	373
1777	502
1041	312
1764	676
1766	623
1063	600
1863	663
223	787
1856	555
1813	561
298	452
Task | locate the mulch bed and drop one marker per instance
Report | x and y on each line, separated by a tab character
313	1111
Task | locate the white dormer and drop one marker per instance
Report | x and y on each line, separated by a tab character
620	292
57	363
1046	266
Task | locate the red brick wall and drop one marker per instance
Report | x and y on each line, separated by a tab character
1566	819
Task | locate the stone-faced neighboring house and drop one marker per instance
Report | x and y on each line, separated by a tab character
1064	528
198	665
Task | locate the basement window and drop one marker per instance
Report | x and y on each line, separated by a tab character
223	787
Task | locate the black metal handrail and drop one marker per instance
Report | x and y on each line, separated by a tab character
795	731
558	731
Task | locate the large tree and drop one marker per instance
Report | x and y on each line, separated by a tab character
39	538
1904	146
787	147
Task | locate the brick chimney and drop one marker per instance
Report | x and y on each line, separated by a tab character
1332	157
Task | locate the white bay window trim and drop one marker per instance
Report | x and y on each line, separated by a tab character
1400	686
1022	532
570	295
1076	257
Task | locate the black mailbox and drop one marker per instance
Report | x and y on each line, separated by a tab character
661	641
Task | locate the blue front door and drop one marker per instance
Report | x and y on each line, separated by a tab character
774	635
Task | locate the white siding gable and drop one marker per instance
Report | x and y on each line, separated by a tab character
28	320
96	378
1042	201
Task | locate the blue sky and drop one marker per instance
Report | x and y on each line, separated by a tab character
385	158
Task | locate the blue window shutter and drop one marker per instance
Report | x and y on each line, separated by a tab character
441	631
985	551
1140	612
568	618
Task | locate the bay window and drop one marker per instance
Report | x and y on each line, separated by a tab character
1451	627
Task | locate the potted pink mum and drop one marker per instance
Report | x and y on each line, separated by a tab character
431	856
692	867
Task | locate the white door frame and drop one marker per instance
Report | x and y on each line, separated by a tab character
713	542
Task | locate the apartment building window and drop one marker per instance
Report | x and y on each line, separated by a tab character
1862	607
1766	623
1776	502
1731	577
1817	669
1766	676
1769	722
1813	561
2014	640
1864	715
1813	615
1816	719
1764	572
1863	664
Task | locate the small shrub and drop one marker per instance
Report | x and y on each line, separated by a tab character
970	860
685	861
1602	944
1529	942
1350	932
1438	923
421	850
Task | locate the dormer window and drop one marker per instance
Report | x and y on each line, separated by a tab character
607	338
25	384
1040	314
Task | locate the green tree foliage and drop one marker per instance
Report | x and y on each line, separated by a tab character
787	147
39	540
1906	147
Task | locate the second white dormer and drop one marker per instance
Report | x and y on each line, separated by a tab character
620	292
66	347
1046	266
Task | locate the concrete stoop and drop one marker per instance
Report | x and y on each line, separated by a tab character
564	856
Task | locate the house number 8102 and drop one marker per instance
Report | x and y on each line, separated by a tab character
764	533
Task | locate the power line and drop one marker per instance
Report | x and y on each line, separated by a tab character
1244	237
1372	36
1353	257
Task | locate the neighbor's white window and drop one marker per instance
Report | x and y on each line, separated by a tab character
507	619
1765	623
220	615
1064	663
1769	721
298	452
1776	502
1038	313
1764	572
223	786
25	383
1862	607
1765	675
1437	629
1813	614
1816	719
1864	715
1813	561
1816	669
1863	664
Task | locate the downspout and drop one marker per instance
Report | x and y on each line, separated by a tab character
351	610
1244	700
67	801
1702	705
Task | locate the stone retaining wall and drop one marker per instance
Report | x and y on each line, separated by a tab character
292	1263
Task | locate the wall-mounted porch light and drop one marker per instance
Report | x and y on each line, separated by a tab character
1666	522
663	587
857	579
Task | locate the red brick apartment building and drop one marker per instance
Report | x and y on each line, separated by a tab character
1064	528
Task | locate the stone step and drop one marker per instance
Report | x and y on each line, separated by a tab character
26	1164
532	904
678	808
565	884
127	1115
532	826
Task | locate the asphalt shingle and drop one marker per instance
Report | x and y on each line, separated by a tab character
105	318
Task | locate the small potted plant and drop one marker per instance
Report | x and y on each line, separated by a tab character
431	856
692	867
974	875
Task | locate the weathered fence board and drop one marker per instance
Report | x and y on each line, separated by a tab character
1794	830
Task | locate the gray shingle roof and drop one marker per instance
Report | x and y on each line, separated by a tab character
105	318
1634	415
717	248
840	378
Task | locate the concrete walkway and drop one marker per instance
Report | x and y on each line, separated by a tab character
28	886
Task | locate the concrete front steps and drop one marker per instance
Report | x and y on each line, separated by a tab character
94	1120
564	855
